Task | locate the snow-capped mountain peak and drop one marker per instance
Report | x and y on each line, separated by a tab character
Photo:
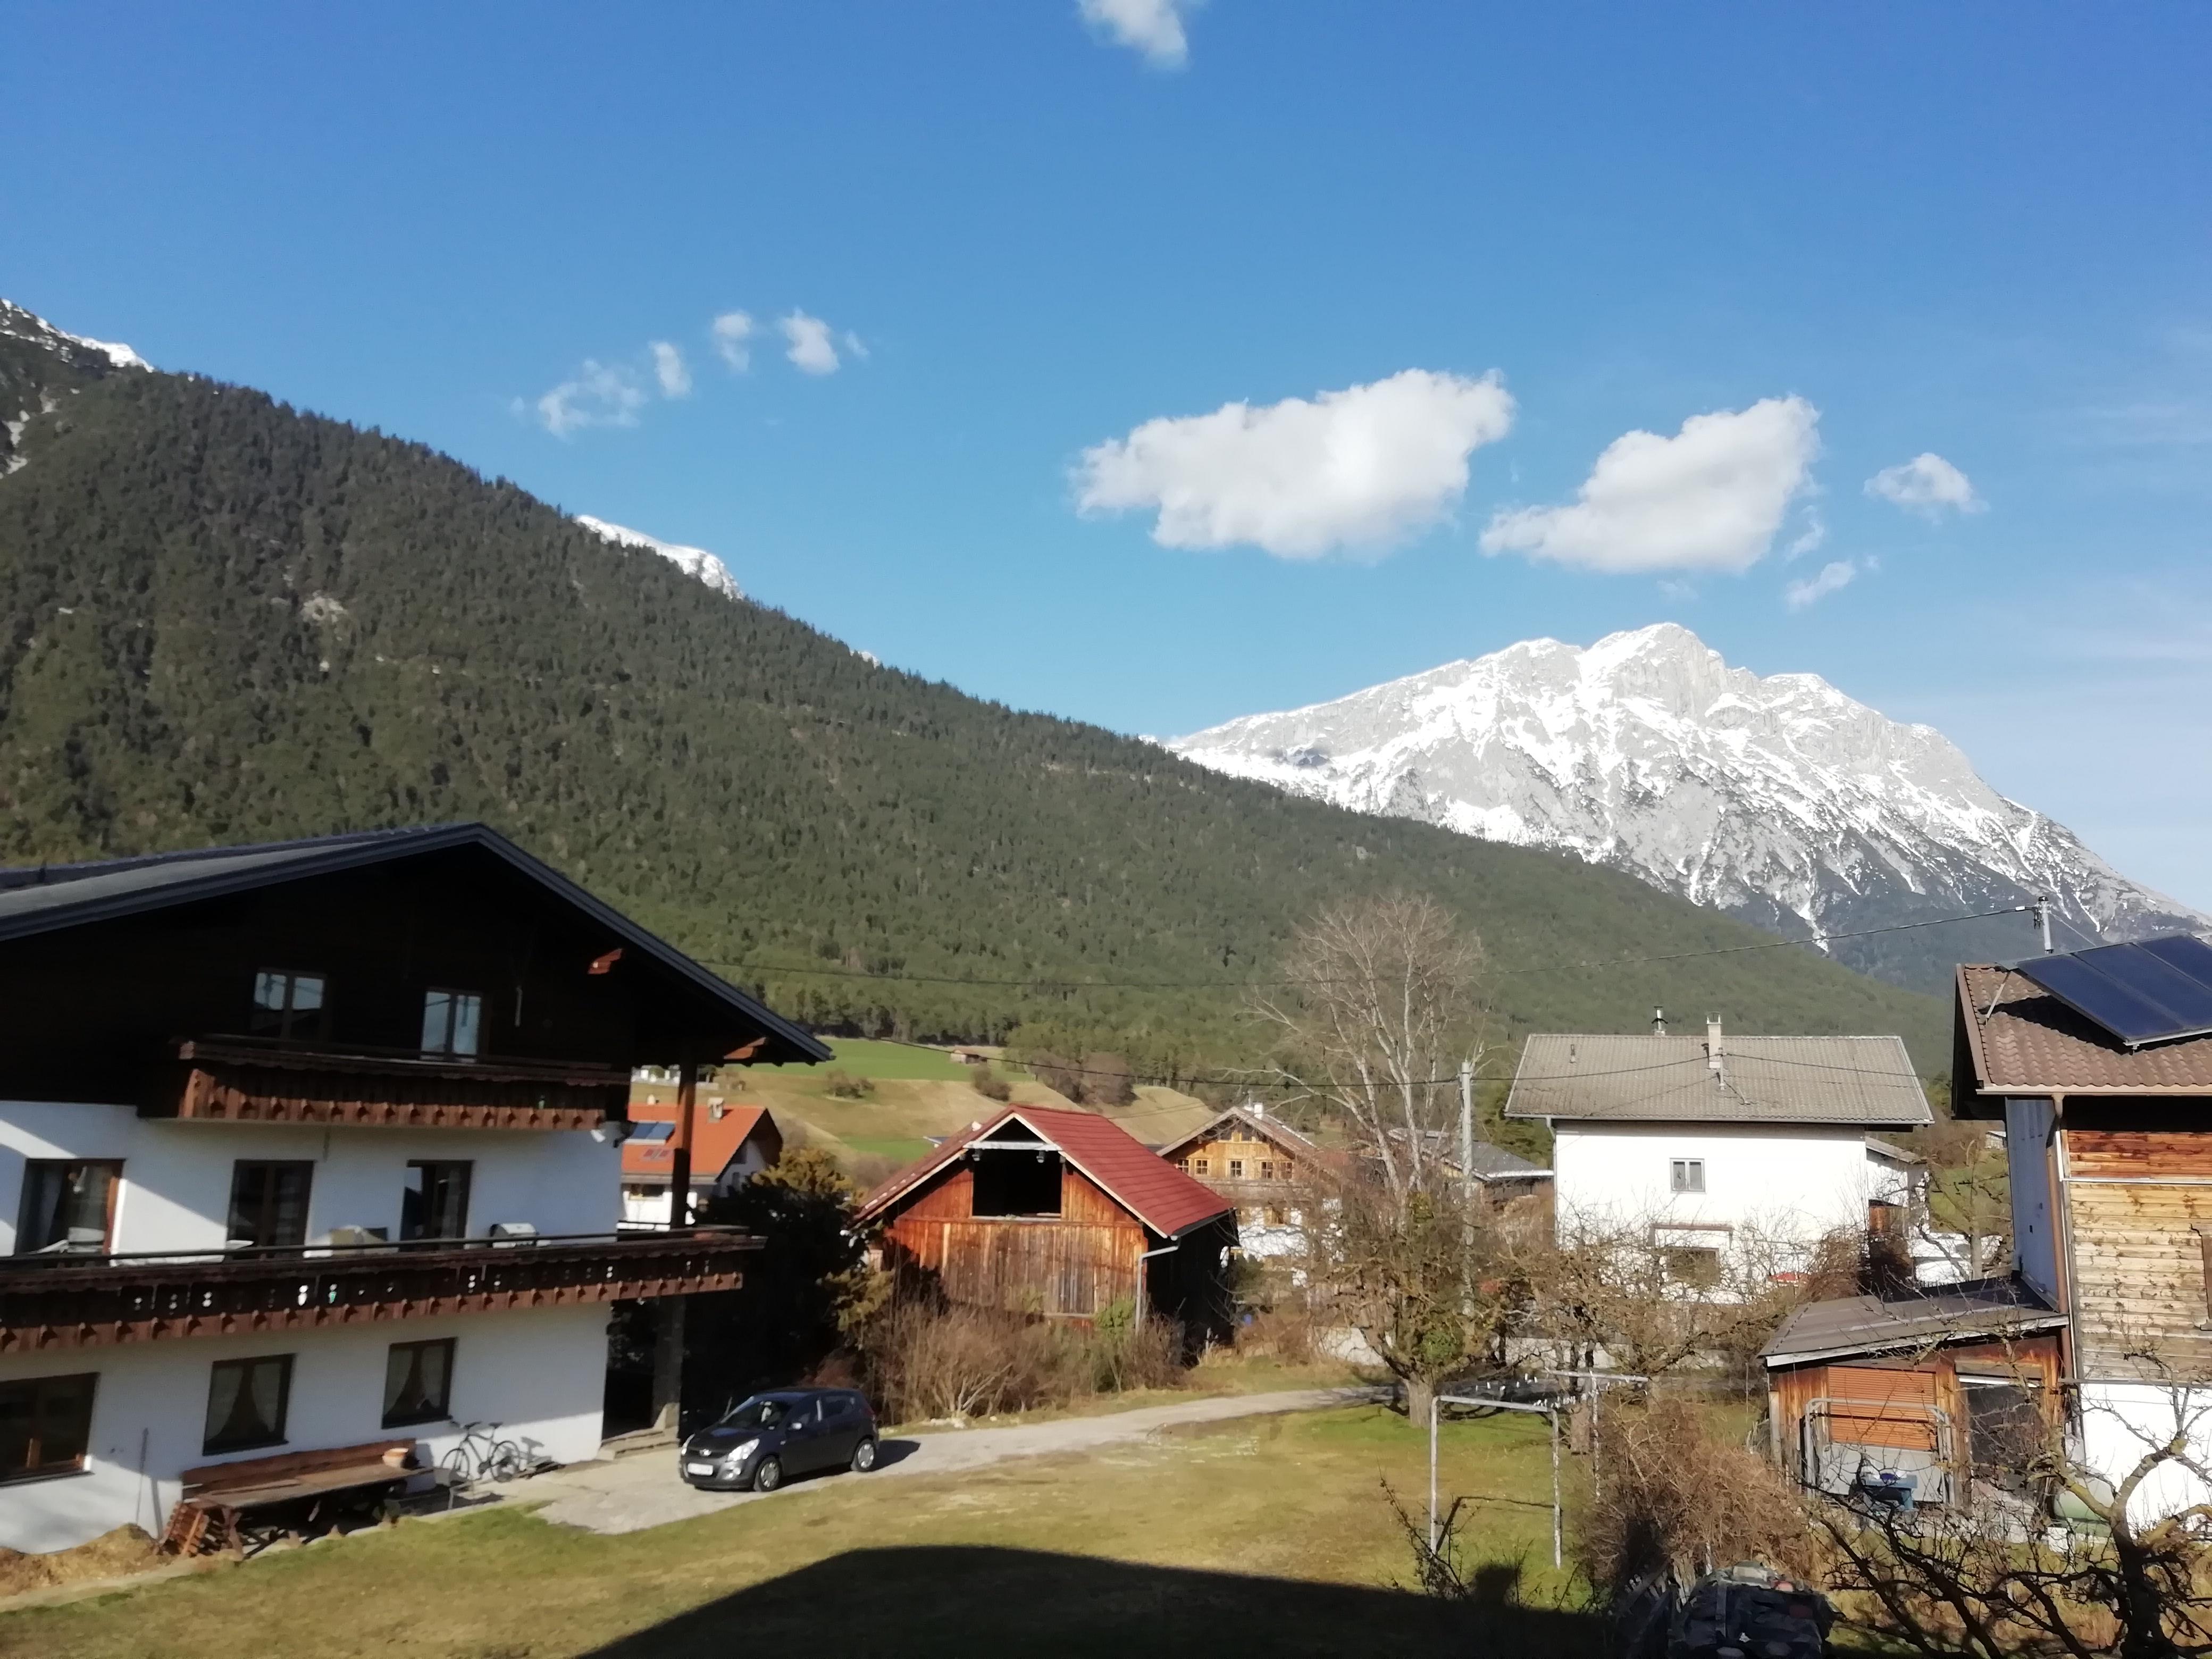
696	561
1778	799
17	323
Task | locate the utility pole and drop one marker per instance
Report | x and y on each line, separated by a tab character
2043	920
1466	1124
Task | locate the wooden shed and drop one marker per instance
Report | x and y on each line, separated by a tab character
1061	1214
1921	1390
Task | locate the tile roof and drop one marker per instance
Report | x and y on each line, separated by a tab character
1768	1079
717	1140
1871	1324
1144	1183
2022	1040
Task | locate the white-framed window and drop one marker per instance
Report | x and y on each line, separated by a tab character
1686	1175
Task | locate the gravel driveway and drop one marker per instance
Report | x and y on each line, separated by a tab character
643	1490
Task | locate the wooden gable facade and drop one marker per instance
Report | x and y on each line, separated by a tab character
1058	1214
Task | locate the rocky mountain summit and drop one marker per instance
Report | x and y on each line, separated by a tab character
1777	799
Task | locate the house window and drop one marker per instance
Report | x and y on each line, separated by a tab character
68	1208
286	1004
435	1203
45	1424
269	1202
453	1022
1266	1168
1697	1265
1200	1165
1236	1169
418	1383
1687	1174
247	1402
1287	1170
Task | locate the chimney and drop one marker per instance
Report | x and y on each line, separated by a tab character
1658	1022
1257	1106
1714	1051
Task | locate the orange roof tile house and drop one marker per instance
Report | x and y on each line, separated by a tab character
730	1145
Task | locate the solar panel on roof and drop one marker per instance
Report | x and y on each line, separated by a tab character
2154	992
2185	952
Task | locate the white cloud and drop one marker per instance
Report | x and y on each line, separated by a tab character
855	345
730	331
1362	467
1808	540
599	395
811	347
668	369
1712	497
1153	28
1926	484
1837	573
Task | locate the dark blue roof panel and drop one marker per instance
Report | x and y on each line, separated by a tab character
2154	992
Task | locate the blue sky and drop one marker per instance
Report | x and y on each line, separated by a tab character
1975	232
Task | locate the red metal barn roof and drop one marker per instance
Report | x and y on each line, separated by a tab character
1137	1178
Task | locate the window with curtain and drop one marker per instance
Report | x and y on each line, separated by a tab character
247	1402
453	1022
46	1426
269	1201
435	1203
288	1004
67	1206
418	1383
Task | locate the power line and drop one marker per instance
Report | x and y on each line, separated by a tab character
1259	984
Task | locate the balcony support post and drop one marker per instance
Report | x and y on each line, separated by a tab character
667	1363
679	1174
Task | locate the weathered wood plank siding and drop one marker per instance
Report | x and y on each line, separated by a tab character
2139	1308
1071	1266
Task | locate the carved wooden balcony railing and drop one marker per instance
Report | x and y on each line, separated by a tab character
245	1081
90	1301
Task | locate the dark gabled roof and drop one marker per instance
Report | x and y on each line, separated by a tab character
1486	1161
1643	1079
1134	1176
2021	1040
45	898
1849	1325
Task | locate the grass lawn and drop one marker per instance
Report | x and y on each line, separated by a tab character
865	1057
1270	1535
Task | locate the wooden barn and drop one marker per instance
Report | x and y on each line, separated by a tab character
1062	1214
1914	1392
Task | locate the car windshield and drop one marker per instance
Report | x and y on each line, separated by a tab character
760	1412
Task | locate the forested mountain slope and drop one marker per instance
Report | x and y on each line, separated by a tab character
226	620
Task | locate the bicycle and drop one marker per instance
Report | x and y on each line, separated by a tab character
481	1456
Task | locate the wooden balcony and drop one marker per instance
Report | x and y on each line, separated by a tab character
245	1081
77	1302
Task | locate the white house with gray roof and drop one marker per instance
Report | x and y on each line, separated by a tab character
1710	1139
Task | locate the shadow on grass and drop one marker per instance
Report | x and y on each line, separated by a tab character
961	1600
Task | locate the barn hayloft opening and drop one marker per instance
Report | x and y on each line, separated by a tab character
1016	1172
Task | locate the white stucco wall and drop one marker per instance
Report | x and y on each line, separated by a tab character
176	1174
1795	1180
542	1373
2119	1420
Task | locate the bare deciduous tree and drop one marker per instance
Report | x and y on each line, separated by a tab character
1386	1001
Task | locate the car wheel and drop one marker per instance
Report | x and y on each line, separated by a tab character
769	1475
864	1455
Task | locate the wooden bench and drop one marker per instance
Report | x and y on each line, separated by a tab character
210	1514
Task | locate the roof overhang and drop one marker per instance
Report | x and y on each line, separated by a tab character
231	871
1977	1331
